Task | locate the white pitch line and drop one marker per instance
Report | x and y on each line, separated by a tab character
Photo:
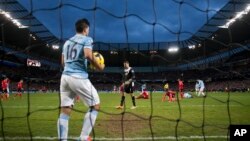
118	139
21	107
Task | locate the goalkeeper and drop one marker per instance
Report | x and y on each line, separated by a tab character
128	83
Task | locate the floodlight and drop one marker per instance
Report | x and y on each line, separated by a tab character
237	16
55	46
173	49
191	46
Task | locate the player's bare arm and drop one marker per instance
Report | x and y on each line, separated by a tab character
62	60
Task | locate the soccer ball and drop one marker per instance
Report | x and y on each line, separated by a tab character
98	58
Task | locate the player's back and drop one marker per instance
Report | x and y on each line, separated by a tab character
201	84
74	60
180	83
19	84
4	83
129	74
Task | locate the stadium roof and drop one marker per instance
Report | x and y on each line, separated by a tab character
124	21
18	12
173	21
228	12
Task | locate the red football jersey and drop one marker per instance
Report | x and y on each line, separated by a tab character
4	84
20	85
181	85
145	93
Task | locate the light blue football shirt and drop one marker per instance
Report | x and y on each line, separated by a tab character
143	87
201	84
197	86
75	64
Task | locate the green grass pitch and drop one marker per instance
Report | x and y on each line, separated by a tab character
214	112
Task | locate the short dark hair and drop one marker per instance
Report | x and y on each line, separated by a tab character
81	24
126	61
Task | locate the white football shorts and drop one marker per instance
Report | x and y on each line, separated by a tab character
70	87
202	89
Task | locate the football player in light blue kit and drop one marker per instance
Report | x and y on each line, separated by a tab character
74	81
201	87
197	88
143	87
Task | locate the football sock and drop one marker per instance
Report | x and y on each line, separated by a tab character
122	101
133	100
62	127
88	124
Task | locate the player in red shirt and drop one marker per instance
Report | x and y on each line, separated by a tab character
171	96
5	84
181	88
144	94
19	89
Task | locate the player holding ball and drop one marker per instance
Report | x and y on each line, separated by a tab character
77	51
